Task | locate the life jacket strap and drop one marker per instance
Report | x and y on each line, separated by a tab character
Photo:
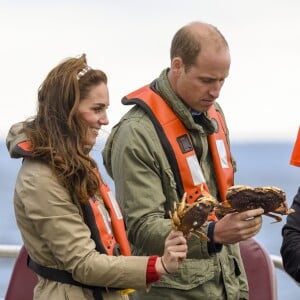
62	276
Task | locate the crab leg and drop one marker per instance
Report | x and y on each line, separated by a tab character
200	235
277	218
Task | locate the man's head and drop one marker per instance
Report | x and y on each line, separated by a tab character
200	62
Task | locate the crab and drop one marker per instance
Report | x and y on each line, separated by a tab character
190	218
243	197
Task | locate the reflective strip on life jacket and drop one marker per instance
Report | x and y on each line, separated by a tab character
220	154
295	157
105	235
117	221
110	221
172	129
106	222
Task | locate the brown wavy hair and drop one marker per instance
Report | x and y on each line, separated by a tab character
57	133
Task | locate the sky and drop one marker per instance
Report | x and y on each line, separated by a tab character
130	41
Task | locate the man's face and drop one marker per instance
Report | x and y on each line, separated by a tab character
201	84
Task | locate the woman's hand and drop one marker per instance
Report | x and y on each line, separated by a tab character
175	251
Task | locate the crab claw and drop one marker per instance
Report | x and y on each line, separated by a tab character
284	211
182	203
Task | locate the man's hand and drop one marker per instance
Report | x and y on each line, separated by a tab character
236	227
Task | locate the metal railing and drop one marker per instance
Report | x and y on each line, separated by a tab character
277	261
12	251
9	251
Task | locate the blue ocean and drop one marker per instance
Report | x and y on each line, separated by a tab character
259	164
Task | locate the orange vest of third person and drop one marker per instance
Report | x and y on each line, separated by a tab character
178	146
295	156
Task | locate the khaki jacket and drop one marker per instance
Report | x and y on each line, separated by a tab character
146	188
56	236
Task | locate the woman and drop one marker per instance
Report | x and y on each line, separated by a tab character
71	225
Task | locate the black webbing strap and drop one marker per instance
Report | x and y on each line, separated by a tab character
61	276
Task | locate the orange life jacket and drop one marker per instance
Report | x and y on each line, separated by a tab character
178	146
117	233
106	225
295	157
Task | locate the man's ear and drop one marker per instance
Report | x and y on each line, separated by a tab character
177	65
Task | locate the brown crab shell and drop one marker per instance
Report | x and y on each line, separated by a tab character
194	218
243	197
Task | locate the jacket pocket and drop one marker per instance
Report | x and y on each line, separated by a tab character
192	272
235	269
233	277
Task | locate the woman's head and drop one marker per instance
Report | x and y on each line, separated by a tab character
61	95
72	104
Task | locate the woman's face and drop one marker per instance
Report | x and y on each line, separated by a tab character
93	110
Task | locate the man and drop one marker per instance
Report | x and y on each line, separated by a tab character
168	144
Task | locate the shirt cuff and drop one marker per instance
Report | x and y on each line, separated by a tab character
211	245
152	275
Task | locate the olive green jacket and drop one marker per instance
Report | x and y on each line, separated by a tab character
55	235
146	189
